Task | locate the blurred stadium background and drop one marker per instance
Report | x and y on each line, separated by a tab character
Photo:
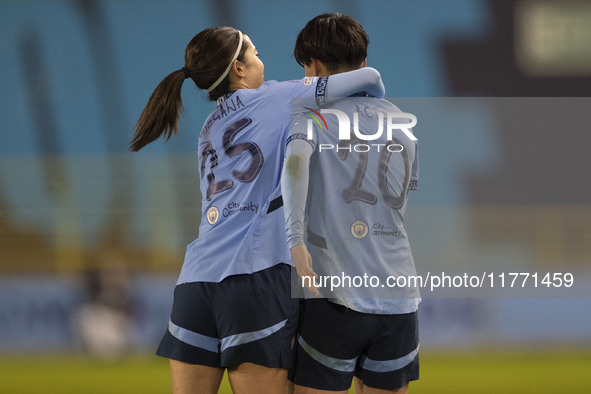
92	236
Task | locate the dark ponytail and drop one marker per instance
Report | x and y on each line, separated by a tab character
161	114
206	58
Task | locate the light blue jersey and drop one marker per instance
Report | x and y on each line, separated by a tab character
241	153
356	200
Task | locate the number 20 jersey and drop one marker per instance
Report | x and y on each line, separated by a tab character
355	207
241	152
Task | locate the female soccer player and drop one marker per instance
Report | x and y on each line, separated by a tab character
232	306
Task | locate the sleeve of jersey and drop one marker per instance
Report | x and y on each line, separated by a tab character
414	177
365	79
294	181
345	84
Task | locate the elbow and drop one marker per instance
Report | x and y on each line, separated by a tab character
374	74
379	90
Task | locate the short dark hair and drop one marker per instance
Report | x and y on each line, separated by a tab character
337	40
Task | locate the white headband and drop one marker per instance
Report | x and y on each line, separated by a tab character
221	78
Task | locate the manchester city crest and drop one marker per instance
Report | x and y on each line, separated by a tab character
359	229
212	215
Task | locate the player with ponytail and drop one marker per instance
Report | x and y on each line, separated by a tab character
232	303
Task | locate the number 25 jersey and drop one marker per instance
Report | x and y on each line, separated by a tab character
241	152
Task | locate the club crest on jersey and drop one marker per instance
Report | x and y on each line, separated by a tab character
212	215
359	229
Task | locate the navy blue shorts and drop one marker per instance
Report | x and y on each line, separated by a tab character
335	343
244	318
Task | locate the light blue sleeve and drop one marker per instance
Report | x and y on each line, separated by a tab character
294	180
345	84
365	79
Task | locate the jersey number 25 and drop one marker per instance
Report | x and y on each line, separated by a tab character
231	150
